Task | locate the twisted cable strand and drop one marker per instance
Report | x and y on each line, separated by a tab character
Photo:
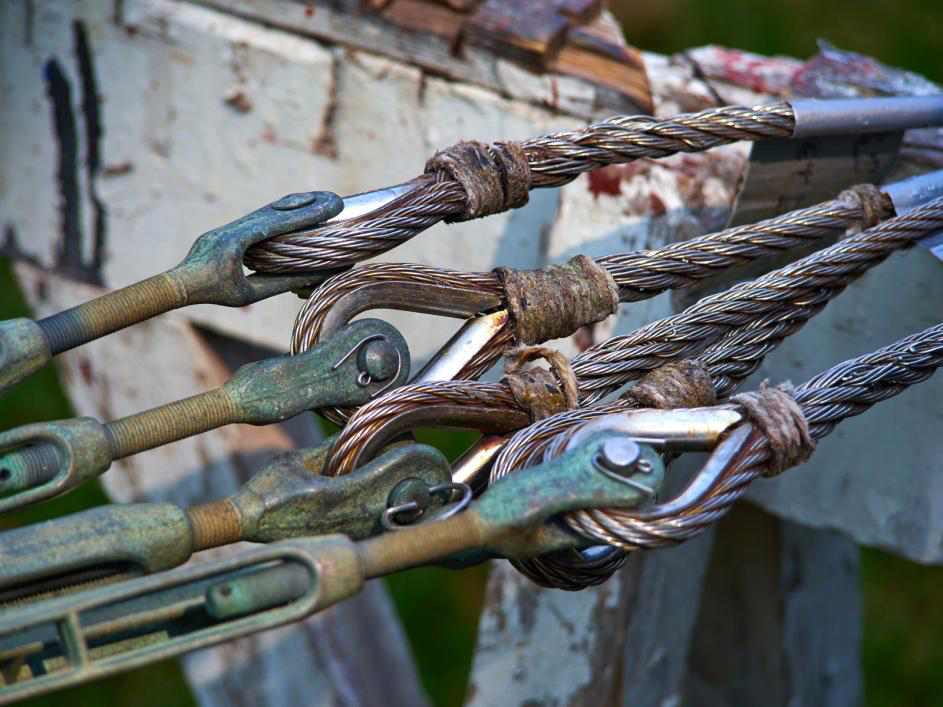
639	275
554	160
843	391
369	418
806	285
309	321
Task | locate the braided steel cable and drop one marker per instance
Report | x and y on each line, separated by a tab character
309	323
843	391
808	284
732	358
371	417
771	306
554	160
638	275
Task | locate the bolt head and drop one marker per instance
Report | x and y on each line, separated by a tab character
411	490
619	454
295	201
378	360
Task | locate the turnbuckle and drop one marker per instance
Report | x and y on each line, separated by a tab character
212	273
287	498
74	638
42	460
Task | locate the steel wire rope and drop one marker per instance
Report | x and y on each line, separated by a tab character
777	303
730	359
639	275
554	160
843	391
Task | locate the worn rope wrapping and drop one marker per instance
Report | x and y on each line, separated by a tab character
495	177
843	391
555	301
540	392
553	160
775	412
638	275
677	384
732	358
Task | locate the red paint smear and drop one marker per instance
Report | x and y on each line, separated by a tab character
606	180
760	74
656	205
309	11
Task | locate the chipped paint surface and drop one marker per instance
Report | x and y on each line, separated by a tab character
321	118
202	115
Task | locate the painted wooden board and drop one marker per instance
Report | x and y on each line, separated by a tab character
780	620
127	129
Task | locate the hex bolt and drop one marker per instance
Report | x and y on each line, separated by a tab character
619	455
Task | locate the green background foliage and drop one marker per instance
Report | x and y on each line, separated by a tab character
903	618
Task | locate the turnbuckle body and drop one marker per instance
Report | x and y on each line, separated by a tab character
285	499
362	360
212	273
74	638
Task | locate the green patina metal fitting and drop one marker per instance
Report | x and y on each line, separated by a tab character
285	499
212	273
194	607
353	366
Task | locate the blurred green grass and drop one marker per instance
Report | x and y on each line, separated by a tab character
901	647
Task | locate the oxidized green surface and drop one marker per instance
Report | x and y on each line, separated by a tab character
79	445
212	273
23	351
258	393
269	586
140	537
285	499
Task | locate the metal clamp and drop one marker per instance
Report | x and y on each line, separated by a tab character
265	587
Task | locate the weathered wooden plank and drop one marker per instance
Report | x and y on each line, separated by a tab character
178	159
342	22
529	31
780	621
623	642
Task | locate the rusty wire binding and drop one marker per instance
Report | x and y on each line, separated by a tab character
843	391
735	329
554	160
638	275
730	360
